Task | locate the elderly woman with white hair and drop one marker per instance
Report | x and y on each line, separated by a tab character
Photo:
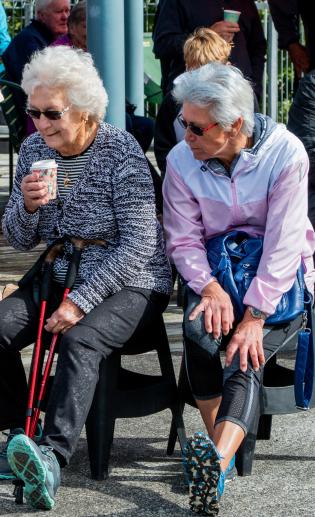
104	195
240	171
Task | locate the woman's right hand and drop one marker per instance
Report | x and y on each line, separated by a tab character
226	30
34	191
218	310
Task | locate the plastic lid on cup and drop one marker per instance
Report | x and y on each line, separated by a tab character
44	164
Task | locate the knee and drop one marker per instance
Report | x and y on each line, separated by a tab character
234	369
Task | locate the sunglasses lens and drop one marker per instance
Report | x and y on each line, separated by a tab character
50	114
196	130
53	115
33	113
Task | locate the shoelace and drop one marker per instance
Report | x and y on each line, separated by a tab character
47	451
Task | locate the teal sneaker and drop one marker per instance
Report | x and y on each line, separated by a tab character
38	468
5	469
201	462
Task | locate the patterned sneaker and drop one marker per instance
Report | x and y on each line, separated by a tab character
202	466
38	468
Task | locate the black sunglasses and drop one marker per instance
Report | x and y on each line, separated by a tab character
50	114
199	131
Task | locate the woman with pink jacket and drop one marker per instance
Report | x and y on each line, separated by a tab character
235	170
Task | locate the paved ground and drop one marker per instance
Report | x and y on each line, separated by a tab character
144	482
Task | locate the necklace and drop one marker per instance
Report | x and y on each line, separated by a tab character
66	178
75	165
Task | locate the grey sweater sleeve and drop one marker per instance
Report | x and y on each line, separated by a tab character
134	208
19	227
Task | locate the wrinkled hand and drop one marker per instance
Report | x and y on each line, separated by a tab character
35	192
66	316
299	58
226	29
218	310
248	340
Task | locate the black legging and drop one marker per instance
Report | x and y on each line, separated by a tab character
207	378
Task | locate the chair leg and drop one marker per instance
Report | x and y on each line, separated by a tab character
175	432
245	454
177	429
264	427
100	422
167	370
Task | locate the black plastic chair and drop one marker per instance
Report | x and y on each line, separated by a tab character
121	393
276	396
13	120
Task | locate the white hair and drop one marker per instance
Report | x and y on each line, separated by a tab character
40	5
223	90
72	70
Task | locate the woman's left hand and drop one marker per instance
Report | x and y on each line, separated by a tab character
248	340
66	316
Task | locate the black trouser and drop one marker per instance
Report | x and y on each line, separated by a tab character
106	328
207	378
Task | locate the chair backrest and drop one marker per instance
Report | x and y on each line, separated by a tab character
10	112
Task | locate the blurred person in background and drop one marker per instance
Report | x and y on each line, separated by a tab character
76	36
50	22
4	34
177	19
286	16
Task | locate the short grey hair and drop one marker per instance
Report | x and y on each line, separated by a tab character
72	70
223	90
41	4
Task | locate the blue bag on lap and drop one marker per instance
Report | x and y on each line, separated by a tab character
234	259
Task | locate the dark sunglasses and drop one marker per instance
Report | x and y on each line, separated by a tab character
50	114
199	131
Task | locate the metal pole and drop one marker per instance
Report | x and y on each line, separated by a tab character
134	53
272	68
106	42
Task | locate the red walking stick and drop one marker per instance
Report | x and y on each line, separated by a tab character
45	290
73	267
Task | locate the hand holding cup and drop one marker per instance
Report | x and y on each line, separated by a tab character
39	187
227	27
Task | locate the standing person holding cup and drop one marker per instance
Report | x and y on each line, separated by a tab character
177	19
124	276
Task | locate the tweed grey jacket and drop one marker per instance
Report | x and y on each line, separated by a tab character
113	200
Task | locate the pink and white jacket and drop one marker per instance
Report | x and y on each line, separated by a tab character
265	195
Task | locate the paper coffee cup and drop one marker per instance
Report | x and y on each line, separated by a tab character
231	16
47	170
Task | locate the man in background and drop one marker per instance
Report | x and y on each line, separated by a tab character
177	19
286	17
50	22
